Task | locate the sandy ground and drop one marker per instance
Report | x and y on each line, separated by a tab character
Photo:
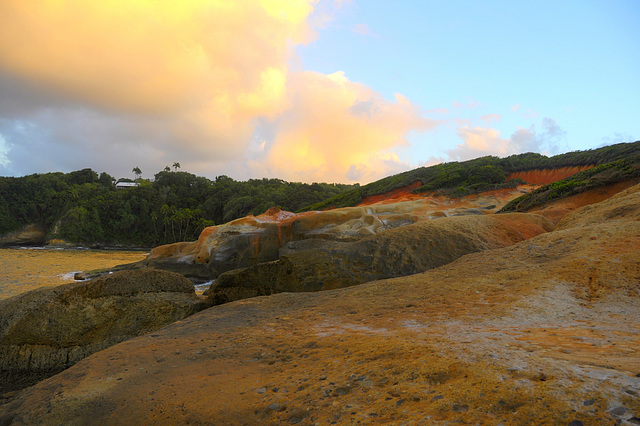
27	269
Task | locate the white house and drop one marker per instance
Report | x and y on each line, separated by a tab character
121	185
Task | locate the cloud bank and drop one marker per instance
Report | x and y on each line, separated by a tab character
214	85
117	84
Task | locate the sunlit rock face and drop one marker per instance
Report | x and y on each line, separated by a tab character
541	332
546	176
398	252
251	240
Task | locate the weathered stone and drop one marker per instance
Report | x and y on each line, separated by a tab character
250	241
475	332
396	252
50	329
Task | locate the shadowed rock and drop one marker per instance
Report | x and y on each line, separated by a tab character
47	330
29	235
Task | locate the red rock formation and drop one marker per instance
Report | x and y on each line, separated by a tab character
397	195
547	176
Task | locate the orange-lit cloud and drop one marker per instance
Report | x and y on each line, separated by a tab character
340	129
204	68
190	81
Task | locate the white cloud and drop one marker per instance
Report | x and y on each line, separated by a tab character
482	141
4	150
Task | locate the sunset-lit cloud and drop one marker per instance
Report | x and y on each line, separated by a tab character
293	89
203	69
335	127
155	82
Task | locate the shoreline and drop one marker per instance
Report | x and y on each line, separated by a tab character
74	247
25	268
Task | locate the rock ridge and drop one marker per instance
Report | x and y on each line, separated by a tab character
397	252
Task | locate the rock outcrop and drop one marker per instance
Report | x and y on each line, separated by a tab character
31	235
541	332
252	240
397	252
47	330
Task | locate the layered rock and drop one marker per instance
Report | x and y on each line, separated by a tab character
541	332
47	330
252	240
397	252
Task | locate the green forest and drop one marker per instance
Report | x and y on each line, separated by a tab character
85	207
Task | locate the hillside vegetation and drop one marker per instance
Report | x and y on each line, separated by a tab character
602	175
83	207
481	174
86	208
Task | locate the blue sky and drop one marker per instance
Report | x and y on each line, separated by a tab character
338	91
575	62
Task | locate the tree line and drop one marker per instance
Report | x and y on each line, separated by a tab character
85	207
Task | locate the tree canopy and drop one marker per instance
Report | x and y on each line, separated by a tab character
86	208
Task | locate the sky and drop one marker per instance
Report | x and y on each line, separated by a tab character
310	90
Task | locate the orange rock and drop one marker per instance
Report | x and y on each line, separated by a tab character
547	176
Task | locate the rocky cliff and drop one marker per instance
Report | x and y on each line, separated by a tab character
541	332
546	176
29	235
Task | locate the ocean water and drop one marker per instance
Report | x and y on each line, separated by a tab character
24	269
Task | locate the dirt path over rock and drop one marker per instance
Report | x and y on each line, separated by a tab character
542	332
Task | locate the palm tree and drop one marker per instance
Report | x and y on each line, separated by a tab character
176	166
136	170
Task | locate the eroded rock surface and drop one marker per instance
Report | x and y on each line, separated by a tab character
47	330
541	332
252	240
397	252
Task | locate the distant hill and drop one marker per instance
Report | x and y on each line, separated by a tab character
481	174
626	169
